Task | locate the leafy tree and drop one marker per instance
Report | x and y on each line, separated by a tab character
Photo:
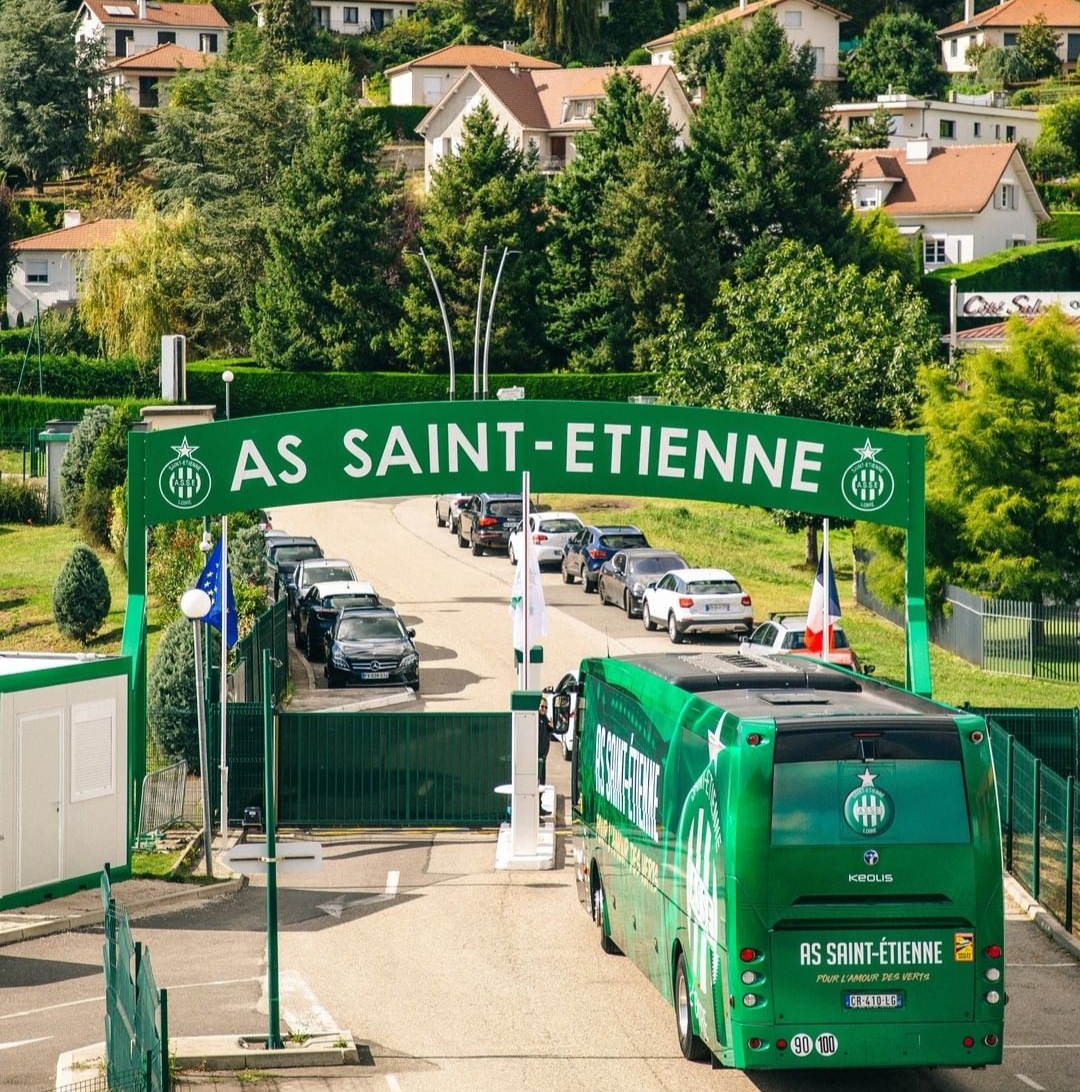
632	22
118	134
700	53
324	302
1038	43
873	133
488	194
81	596
562	29
171	696
289	29
1057	148
763	150
1003	468
77	457
1004	66
900	50
879	245
47	82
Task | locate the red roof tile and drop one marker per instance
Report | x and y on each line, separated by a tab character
472	56
733	14
161	13
1015	13
163	58
80	237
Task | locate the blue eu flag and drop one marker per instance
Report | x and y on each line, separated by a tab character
210	582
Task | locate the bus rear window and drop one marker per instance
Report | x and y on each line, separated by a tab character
856	787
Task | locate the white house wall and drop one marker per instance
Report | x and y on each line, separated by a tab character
144	36
359	18
422	86
971	124
954	48
61	287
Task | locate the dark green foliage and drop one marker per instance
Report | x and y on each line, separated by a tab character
562	30
399	122
488	194
65	375
1004	66
289	29
21	502
900	50
174	562
76	459
247	556
1037	42
630	23
1059	138
171	697
703	53
47	82
762	150
323	302
106	470
7	237
81	597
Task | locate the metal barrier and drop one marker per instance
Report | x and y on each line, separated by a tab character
161	802
1051	735
371	769
136	1011
271	630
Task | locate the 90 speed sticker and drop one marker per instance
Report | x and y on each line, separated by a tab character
826	1044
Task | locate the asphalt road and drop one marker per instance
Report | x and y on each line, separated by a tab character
458	977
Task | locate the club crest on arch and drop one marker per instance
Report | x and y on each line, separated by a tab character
184	482
868	484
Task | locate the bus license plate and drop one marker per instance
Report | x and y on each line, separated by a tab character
376	674
873	1000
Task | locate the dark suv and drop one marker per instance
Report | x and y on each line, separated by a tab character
591	547
486	520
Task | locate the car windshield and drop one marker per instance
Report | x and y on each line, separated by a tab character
653	564
623	541
326	573
369	629
337	602
506	509
559	526
713	587
296	553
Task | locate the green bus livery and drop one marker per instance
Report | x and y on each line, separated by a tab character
806	863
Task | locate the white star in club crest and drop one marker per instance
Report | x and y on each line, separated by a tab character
867	451
185	450
867	778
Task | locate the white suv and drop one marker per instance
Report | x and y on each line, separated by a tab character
697	601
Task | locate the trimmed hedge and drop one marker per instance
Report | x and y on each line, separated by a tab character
400	122
19	413
72	376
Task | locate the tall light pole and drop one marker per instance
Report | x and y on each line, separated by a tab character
226	378
446	322
476	334
195	604
491	313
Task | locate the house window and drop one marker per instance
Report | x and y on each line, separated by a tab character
166	37
997	132
947	129
37	270
819	62
1007	196
793	20
578	109
447	146
208	43
1072	48
1009	39
148	92
1010	133
351	16
381	17
954	48
934	252
868	199
976	129
123	37
1016	240
322	17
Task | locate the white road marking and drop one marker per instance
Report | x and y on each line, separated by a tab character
1030	1083
392	1082
300	1008
343	902
24	1042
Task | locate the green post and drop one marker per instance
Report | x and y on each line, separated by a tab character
917	634
273	1040
133	642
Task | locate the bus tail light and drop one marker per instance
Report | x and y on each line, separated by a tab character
748	955
755	1043
750	977
991	1040
992	974
969	1042
781	1044
754	739
992	951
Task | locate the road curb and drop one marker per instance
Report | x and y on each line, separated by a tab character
1042	917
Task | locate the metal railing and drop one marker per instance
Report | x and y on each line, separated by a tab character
161	802
271	630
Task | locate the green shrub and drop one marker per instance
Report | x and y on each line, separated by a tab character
171	696
174	563
118	523
21	502
106	469
81	597
76	459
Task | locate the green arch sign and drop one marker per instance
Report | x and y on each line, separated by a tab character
621	449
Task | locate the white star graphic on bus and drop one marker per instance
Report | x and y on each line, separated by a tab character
867	778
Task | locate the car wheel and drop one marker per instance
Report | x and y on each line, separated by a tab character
646	617
439	521
587	586
693	1049
415	686
607	945
299	637
628	605
462	541
567	575
673	630
332	681
510	555
477	549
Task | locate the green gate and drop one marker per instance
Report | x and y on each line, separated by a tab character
371	769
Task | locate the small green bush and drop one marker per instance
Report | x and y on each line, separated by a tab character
21	502
81	597
118	523
106	469
171	696
76	459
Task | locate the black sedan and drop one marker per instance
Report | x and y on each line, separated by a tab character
625	577
371	647
319	606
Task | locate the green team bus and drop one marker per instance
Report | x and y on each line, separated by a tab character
806	863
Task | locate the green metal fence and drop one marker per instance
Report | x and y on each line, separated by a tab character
371	769
271	630
1039	821
136	1011
1051	735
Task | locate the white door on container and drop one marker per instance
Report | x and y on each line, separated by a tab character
38	790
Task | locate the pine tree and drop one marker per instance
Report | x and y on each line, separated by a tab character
81	597
171	695
77	457
288	31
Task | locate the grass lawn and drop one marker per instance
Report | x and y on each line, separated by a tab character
768	563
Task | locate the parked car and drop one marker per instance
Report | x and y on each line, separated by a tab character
549	533
447	507
697	601
587	551
282	557
316	570
622	580
787	633
370	646
319	607
563	703
485	520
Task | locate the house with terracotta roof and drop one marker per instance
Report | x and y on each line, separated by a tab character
143	77
963	202
48	266
998	26
546	108
424	81
805	22
964	119
129	27
353	18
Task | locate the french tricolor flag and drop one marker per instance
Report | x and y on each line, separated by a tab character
824	608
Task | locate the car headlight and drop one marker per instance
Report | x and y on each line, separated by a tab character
409	661
338	659
637	589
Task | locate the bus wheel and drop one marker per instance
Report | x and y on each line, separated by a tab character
607	945
693	1049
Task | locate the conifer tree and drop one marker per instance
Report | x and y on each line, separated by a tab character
81	596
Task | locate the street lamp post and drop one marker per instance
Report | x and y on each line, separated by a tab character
195	604
476	334
491	311
226	378
446	322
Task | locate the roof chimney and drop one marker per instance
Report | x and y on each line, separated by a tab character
509	46
969	10
515	68
72	218
142	10
918	149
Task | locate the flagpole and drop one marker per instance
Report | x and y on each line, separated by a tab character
523	670
826	572
224	699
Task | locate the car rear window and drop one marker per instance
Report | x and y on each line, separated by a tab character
326	573
506	509
714	587
622	541
655	564
365	629
560	526
337	602
296	553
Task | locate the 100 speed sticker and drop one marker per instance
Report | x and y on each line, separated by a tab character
826	1044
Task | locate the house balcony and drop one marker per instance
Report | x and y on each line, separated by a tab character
551	164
